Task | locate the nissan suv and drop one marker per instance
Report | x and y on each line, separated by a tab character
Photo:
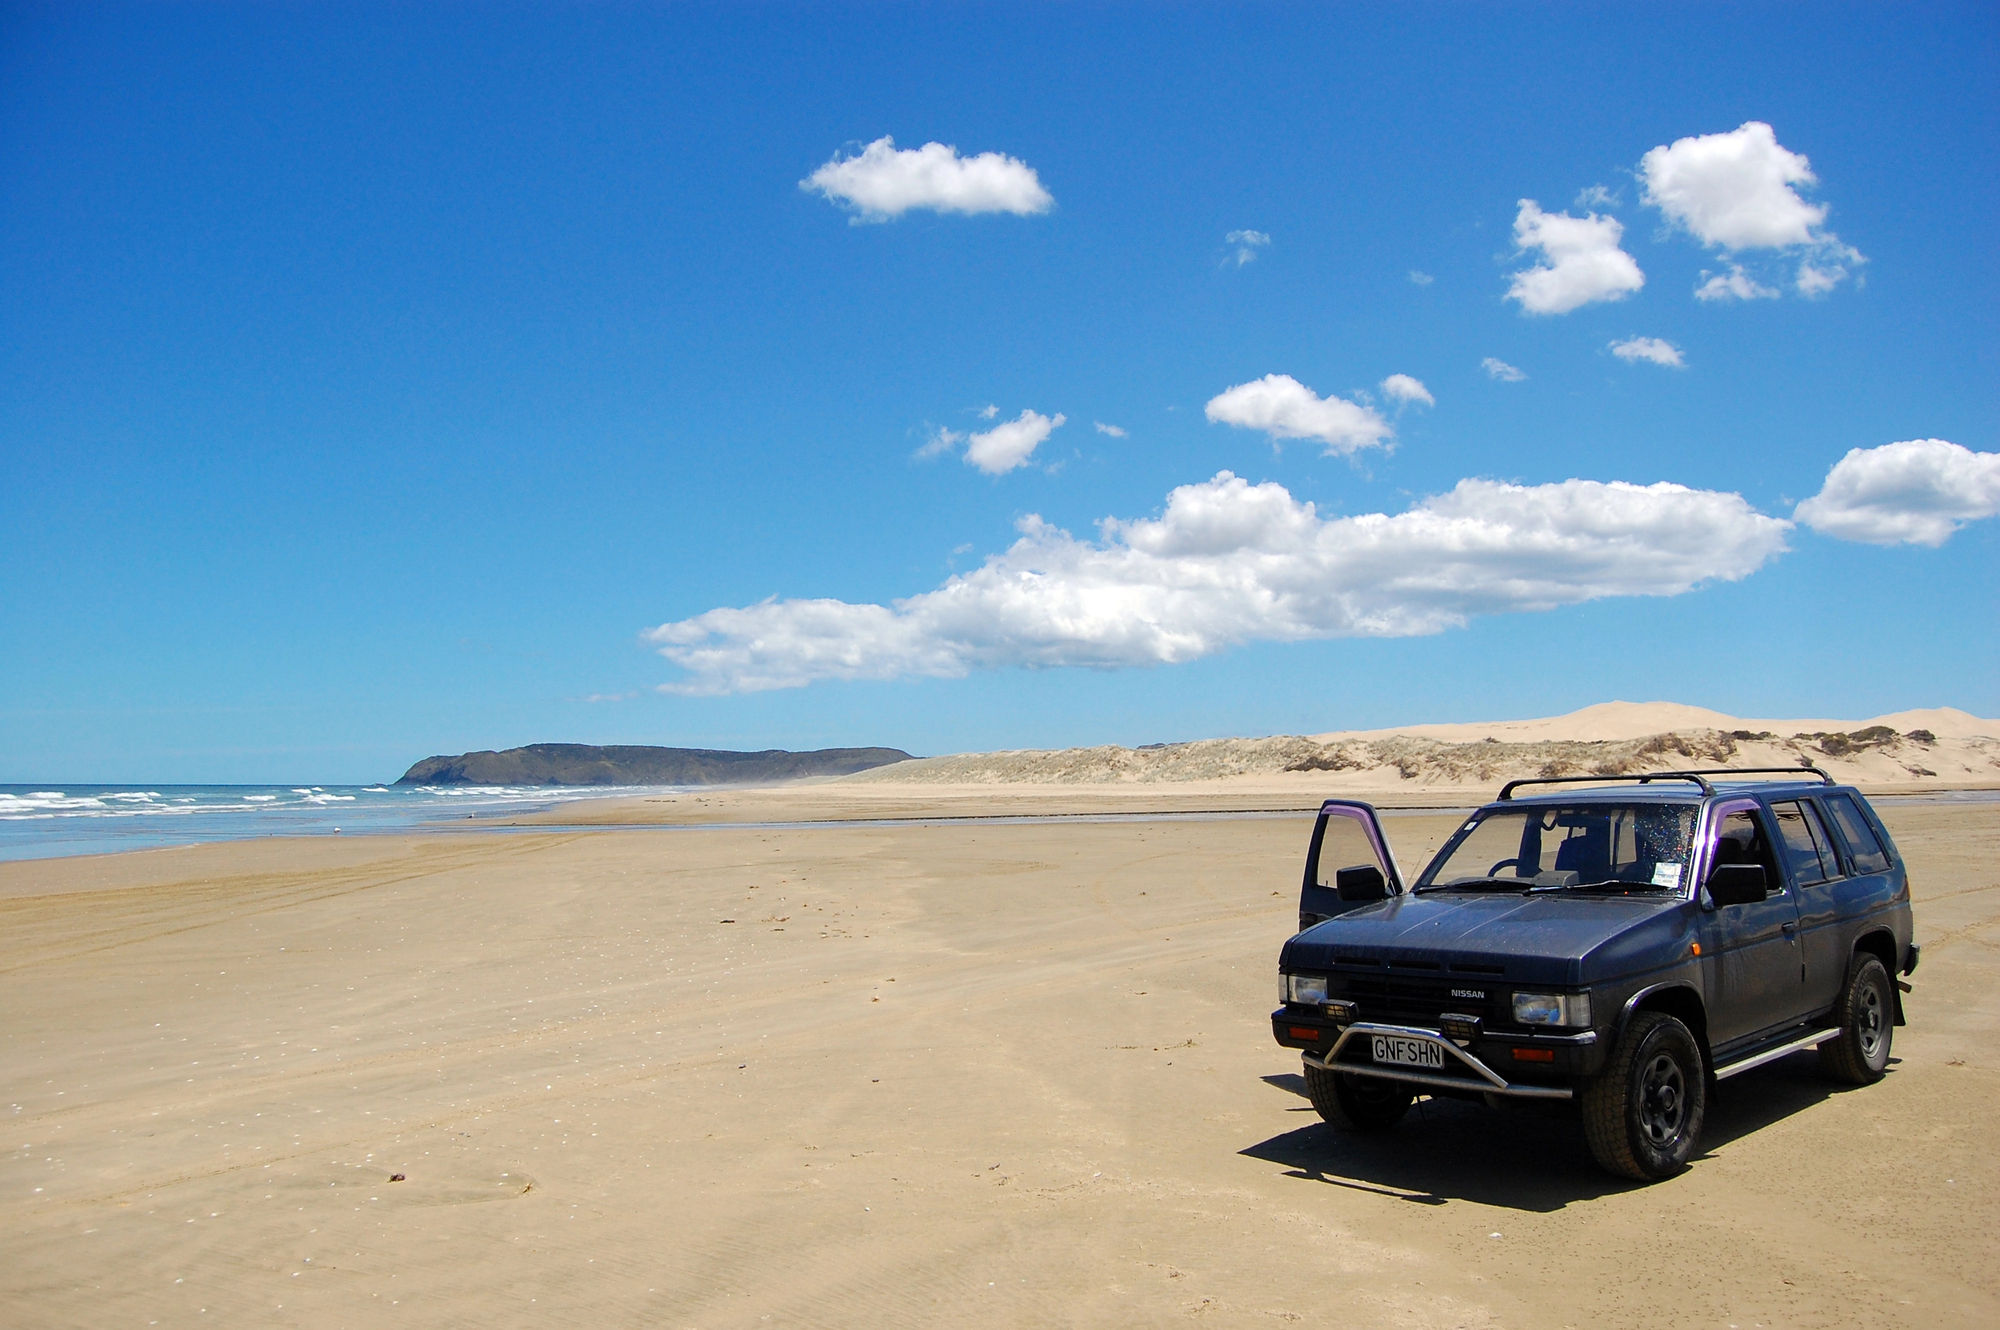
1624	942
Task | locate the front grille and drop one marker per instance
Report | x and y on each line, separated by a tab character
1412	1000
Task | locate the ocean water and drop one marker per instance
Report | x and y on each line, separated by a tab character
50	821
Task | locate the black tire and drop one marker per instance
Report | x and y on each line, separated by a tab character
1357	1103
1867	1014
1642	1114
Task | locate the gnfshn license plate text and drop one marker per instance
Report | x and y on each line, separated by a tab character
1403	1052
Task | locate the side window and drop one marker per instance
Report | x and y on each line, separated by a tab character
1807	848
1741	840
1862	844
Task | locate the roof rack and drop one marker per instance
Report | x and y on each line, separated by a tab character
1697	777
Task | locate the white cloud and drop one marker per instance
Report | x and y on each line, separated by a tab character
1825	267
1740	191
1421	278
1229	562
1581	262
1654	349
885	181
989	411
1403	388
1735	284
1497	368
1735	190
1115	431
1284	408
1916	492
1596	196
1247	244
941	440
1009	444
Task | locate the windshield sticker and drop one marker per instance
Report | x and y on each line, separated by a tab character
1666	875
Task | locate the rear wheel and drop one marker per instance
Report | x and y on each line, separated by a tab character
1867	1014
1642	1115
1357	1103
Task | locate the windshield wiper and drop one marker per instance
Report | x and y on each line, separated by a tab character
1481	884
1609	884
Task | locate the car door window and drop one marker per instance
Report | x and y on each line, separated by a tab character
1807	849
1345	842
1864	848
1741	840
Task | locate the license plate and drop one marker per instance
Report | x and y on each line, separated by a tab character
1402	1052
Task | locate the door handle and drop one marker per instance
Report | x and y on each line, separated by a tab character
1789	928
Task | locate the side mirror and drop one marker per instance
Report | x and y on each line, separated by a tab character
1738	884
1363	882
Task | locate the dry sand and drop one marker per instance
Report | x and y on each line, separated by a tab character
972	1074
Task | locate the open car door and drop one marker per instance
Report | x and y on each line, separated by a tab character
1349	864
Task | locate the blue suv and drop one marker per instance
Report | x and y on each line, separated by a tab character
1624	941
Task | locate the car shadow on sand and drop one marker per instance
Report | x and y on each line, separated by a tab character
1524	1157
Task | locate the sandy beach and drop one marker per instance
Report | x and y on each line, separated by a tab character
982	1073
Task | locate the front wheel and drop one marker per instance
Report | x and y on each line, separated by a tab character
1356	1103
1642	1115
1859	1054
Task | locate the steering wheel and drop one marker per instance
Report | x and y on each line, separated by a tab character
1495	870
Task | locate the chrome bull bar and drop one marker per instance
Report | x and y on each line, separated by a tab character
1495	1083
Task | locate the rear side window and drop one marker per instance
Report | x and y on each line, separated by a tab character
1807	848
1862	842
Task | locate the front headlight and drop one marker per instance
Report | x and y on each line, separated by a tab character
1309	989
1552	1008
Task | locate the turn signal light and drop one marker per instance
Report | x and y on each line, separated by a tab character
1302	1032
1534	1055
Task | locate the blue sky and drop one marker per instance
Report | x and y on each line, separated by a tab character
383	382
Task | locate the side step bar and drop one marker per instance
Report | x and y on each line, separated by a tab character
1729	1069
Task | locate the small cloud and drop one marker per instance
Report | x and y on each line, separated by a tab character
1654	349
1009	445
1114	431
1247	244
1497	368
1284	408
1596	196
1735	284
1740	191
1418	278
1912	493
1403	388
989	411
1735	190
1581	261
607	697
884	182
941	440
1825	268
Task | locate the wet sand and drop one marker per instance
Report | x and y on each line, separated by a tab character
975	1073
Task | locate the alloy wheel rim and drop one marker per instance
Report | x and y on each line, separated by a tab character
1868	1023
1662	1100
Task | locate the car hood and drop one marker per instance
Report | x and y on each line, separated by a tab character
1554	937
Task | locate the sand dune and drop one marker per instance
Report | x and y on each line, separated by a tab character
1937	748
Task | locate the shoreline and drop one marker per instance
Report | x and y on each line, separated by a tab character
818	805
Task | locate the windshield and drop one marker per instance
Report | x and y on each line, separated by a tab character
1626	847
